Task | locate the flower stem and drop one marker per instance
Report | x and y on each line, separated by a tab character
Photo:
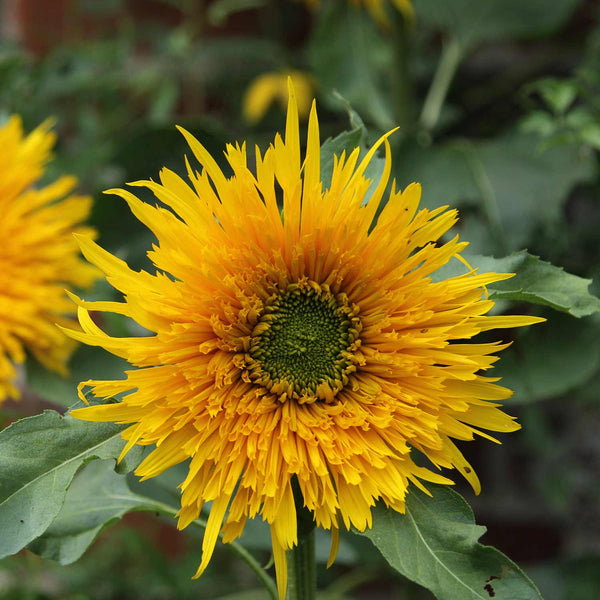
235	547
488	196
256	568
452	54
302	579
403	85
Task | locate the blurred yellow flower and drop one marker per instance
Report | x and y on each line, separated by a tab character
299	337
273	87
39	256
377	9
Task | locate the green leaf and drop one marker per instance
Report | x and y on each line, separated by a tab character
474	21
348	53
535	281
551	359
38	458
558	94
538	282
516	187
529	187
539	122
442	171
96	498
346	141
590	135
435	545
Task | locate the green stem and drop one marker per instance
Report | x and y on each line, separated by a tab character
235	547
404	105
257	569
452	54
488	196
194	92
302	578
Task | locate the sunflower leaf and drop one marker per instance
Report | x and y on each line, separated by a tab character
344	142
506	183
473	21
551	359
96	498
39	457
535	281
435	545
539	282
359	70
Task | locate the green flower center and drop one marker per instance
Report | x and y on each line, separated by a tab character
304	343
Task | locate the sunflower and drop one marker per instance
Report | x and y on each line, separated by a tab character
38	256
377	9
300	341
272	87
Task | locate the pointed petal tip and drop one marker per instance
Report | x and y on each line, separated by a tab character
290	84
74	297
335	546
190	137
113	192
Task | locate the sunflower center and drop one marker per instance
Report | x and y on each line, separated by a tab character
303	345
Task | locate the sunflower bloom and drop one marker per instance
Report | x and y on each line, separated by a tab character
38	256
297	342
273	87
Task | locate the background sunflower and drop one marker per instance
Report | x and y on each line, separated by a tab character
38	256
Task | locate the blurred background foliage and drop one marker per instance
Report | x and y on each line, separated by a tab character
499	107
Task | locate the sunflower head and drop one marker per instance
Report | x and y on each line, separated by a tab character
298	338
39	257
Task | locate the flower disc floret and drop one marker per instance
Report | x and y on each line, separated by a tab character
303	346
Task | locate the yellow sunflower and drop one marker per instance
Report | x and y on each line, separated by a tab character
299	339
273	87
377	10
39	257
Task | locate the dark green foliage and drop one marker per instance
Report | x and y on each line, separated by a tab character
39	457
435	544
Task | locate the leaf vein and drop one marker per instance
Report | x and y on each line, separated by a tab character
431	551
54	470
